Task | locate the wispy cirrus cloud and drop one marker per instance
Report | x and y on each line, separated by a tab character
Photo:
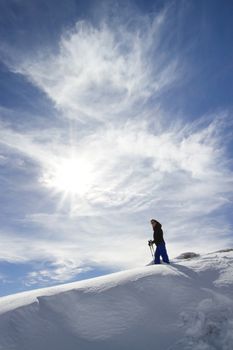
127	166
105	71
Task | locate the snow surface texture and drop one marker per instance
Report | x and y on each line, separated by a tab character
185	305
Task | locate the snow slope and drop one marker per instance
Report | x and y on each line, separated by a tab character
185	305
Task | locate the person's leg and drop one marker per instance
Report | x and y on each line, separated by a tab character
157	256
163	251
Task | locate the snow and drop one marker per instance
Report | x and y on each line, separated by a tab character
185	305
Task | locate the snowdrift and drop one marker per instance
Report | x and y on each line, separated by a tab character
185	305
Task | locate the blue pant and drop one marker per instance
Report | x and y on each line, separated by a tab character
161	251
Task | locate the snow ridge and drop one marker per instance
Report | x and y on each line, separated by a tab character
186	305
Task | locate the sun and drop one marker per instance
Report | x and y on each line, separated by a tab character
72	176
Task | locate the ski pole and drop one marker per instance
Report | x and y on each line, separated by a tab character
151	251
151	248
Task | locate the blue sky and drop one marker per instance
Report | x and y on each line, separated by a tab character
112	112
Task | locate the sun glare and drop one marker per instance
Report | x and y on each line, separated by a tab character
71	176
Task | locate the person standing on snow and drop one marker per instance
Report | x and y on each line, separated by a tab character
159	242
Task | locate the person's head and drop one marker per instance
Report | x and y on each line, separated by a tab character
153	222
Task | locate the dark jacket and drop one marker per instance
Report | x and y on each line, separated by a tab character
158	234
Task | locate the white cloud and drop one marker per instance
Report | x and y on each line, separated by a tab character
105	71
57	272
128	166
